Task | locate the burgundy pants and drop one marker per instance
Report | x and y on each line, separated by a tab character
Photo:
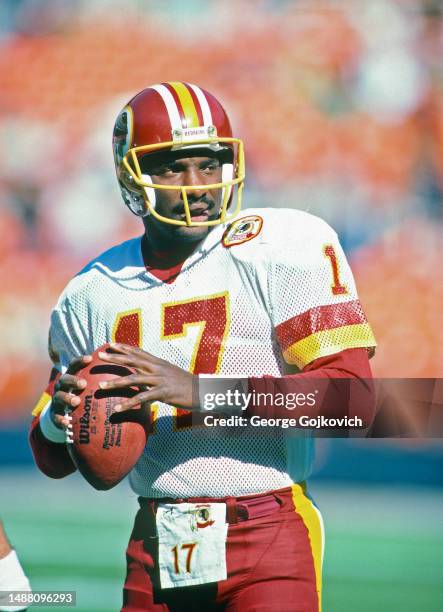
274	557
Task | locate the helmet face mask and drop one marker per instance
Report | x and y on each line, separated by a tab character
156	122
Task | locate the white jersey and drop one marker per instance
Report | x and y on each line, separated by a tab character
272	290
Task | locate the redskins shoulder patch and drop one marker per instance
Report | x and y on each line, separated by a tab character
241	230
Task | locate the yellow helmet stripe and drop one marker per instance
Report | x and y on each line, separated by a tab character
187	103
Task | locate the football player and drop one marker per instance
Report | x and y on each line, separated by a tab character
225	521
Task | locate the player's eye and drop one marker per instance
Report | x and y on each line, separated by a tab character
167	170
210	166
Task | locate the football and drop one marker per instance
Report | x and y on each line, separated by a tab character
104	444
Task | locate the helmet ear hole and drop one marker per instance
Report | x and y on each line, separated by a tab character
134	200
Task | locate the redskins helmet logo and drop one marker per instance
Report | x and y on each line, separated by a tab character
242	230
122	136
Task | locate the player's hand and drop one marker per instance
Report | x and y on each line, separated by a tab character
64	396
158	379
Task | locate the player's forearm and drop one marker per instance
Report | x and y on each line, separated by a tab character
51	458
50	453
335	386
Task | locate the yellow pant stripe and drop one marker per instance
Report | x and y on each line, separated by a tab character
313	523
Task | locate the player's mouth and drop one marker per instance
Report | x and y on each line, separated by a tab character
199	212
203	216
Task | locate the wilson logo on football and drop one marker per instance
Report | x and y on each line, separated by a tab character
85	421
242	230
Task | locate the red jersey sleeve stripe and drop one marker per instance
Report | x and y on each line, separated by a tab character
319	318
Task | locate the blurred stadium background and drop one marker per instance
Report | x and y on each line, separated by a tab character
340	105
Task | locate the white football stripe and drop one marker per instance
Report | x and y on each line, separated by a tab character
171	106
206	111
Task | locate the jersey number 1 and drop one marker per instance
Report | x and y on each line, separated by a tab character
337	288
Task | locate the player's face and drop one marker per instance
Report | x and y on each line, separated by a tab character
173	168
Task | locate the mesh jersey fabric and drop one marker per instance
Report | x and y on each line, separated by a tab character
247	310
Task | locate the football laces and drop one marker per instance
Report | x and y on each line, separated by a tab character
69	434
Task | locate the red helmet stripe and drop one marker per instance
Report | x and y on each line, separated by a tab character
197	105
203	103
171	105
174	95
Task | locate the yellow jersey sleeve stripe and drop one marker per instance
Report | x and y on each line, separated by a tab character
328	342
42	402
